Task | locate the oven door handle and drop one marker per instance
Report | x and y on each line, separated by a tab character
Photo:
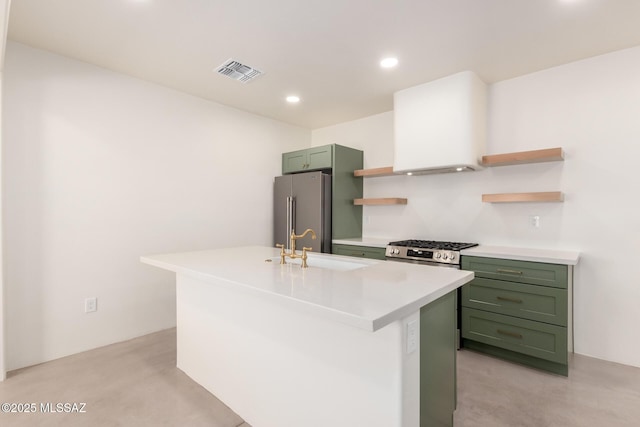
423	262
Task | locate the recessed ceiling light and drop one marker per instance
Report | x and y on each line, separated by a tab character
293	99
389	62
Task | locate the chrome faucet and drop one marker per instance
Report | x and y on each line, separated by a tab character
292	244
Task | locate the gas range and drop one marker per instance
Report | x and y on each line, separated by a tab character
445	254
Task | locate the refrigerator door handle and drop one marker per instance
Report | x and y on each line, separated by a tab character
288	222
291	219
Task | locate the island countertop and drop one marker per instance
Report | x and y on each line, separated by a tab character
368	294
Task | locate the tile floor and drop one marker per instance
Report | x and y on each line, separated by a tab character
136	383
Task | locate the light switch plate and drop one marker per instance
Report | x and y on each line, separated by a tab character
90	305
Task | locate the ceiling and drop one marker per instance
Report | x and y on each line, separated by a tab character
325	51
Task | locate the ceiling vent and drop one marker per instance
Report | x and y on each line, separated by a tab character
237	71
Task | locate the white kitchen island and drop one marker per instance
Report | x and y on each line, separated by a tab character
336	344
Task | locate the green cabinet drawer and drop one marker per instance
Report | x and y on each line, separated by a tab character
541	340
358	251
310	159
534	273
540	303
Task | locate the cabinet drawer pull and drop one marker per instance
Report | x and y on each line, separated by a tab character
516	300
502	270
509	334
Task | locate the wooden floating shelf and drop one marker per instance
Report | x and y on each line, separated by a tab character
385	171
549	196
523	157
383	201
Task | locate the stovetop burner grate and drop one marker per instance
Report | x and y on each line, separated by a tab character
433	244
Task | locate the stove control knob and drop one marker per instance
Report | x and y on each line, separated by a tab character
452	256
438	255
396	251
445	256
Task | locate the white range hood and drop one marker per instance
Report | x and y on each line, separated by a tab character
440	126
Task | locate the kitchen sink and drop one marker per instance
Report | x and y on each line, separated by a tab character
322	262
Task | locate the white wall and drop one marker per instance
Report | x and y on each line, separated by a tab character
3	371
4	22
100	168
591	109
5	6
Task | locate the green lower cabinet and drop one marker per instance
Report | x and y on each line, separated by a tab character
438	362
535	339
533	273
539	303
517	310
358	251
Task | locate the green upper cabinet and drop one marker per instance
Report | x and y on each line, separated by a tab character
310	159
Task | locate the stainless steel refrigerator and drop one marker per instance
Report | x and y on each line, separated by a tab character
302	201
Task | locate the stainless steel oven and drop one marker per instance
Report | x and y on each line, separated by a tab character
428	252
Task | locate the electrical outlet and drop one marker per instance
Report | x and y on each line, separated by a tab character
535	221
90	305
412	336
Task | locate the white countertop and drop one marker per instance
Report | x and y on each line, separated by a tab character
524	254
374	242
370	296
